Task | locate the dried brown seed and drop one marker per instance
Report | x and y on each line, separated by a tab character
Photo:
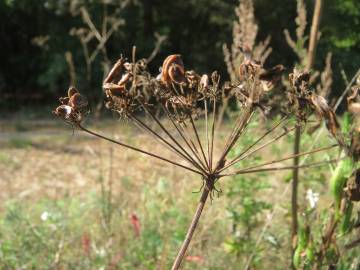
115	71
63	111
72	91
112	89
78	101
173	70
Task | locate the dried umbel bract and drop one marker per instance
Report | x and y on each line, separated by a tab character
74	107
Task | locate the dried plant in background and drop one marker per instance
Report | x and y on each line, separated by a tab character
298	45
306	58
245	30
184	97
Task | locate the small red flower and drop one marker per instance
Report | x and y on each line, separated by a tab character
136	224
86	244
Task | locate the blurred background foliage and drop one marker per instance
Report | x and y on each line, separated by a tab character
36	35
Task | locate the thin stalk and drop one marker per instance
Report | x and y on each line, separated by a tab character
207	131
316	164
293	156
213	134
309	63
186	156
190	232
294	189
234	160
199	142
162	127
186	131
185	139
242	124
262	146
137	149
289	157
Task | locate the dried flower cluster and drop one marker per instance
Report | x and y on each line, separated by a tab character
74	107
245	30
185	95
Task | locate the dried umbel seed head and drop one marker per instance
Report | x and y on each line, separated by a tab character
63	111
73	107
300	81
173	70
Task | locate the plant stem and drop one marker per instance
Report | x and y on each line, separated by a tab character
294	189
179	258
137	149
309	63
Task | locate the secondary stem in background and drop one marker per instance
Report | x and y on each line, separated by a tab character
309	63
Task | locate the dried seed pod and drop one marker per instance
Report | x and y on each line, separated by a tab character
325	112
173	70
192	78
124	79
112	89
78	101
63	111
115	71
72	91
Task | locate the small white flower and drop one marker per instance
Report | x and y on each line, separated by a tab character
312	197
44	216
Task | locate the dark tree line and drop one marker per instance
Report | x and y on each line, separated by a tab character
35	35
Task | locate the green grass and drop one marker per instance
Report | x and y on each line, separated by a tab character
91	226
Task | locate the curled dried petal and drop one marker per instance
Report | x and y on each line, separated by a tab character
78	101
72	91
173	70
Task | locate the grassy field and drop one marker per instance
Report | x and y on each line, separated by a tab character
69	201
